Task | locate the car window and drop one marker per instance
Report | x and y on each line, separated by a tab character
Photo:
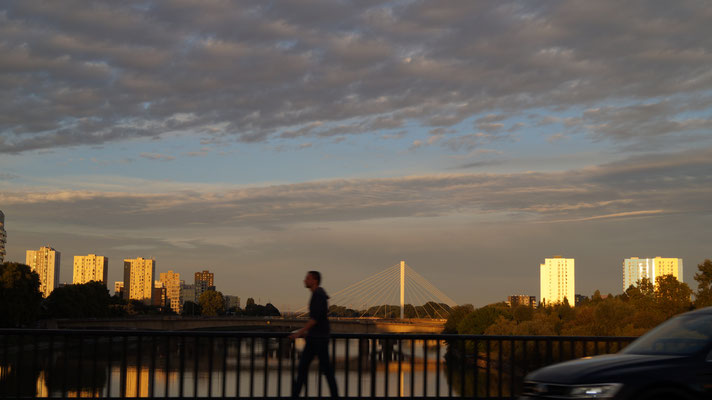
683	335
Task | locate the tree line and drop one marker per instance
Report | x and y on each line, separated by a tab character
22	304
632	313
430	309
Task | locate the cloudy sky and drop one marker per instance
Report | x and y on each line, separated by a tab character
261	139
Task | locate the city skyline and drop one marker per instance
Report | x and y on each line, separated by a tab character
472	139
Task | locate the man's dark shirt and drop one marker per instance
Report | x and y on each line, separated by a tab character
318	310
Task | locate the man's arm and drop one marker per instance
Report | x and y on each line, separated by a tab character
302	332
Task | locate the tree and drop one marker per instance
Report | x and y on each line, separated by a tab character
20	295
456	315
672	296
271	310
703	296
212	303
476	322
250	302
191	308
87	300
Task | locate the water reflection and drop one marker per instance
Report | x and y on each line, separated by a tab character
202	366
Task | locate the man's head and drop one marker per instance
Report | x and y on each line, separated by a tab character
312	280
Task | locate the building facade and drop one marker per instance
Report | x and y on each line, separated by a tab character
556	280
171	281
119	289
45	262
3	237
521	300
138	279
90	268
635	269
232	302
204	280
187	292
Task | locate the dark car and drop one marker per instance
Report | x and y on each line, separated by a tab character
672	361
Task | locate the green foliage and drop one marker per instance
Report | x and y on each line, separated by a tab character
212	303
258	310
20	296
672	296
703	295
88	300
476	322
642	307
456	316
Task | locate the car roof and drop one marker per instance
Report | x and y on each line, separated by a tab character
701	311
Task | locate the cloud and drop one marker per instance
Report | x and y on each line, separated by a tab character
74	76
665	183
156	156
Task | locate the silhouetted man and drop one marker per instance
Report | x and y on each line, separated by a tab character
316	332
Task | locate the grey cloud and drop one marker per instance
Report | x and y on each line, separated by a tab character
76	75
654	184
157	156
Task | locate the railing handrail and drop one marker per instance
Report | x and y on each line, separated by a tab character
262	334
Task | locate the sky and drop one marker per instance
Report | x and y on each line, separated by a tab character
262	139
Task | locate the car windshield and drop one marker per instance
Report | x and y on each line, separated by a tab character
684	335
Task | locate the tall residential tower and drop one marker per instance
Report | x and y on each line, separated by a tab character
635	269
171	281
138	279
90	268
556	280
204	280
45	262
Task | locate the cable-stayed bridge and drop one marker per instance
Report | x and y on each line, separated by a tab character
395	292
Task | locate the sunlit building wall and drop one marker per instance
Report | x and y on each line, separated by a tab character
635	269
90	268
171	281
204	280
138	279
119	288
556	280
45	262
3	237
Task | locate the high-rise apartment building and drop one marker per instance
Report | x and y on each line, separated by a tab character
90	268
556	280
45	262
171	281
119	289
3	237
138	279
635	269
203	281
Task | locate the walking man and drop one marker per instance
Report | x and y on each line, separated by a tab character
316	332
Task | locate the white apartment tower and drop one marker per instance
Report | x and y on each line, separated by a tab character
635	269
171	281
45	262
90	268
138	279
3	237
556	280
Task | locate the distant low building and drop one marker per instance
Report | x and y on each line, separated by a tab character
232	302
521	300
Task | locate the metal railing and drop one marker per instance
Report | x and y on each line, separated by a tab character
121	364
